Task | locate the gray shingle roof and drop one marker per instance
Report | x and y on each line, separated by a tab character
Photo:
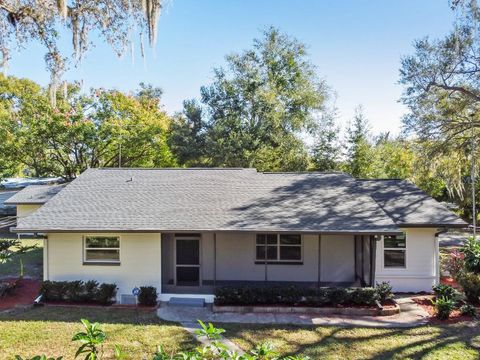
5	208
407	205
35	194
209	199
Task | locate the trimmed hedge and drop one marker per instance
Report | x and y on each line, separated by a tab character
79	292
148	296
292	295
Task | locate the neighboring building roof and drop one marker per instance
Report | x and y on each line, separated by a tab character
20	183
209	200
407	205
6	209
34	194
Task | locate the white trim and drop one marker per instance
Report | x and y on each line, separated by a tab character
160	283
405	249
209	298
93	262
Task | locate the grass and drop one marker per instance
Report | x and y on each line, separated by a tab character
48	330
32	260
458	341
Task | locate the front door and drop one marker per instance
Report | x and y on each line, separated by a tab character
187	264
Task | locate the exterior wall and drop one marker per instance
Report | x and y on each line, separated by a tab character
236	260
24	210
338	258
420	273
140	263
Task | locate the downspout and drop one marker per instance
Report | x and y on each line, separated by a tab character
437	254
319	270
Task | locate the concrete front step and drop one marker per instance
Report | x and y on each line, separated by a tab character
189	302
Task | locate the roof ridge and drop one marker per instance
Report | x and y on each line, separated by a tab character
172	168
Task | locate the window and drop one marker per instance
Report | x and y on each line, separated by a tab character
102	249
394	251
279	248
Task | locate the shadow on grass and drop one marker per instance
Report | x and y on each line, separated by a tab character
104	315
445	341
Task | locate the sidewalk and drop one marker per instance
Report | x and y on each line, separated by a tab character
411	315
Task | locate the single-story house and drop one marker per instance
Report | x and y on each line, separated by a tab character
186	231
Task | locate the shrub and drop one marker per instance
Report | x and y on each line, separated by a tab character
384	291
291	295
106	293
470	283
364	296
444	307
468	310
453	262
78	291
445	291
148	296
471	251
7	288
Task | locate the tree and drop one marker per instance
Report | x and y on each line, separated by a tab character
114	21
187	135
392	158
101	129
326	148
442	92
359	150
258	106
9	248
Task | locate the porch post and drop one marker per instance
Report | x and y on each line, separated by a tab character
373	259
319	270
214	259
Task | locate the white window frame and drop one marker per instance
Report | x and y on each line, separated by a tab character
278	246
85	248
404	250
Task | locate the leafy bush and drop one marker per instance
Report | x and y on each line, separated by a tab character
444	307
7	288
453	262
470	282
78	291
468	310
106	293
148	296
471	252
384	291
364	296
445	291
291	296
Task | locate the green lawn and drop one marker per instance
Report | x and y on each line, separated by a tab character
459	341
48	330
32	260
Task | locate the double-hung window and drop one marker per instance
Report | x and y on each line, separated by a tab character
102	249
282	248
394	251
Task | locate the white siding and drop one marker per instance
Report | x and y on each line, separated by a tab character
139	261
420	271
24	210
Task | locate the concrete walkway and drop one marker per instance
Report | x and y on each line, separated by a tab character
411	315
191	326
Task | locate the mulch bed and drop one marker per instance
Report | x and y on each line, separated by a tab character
426	303
24	294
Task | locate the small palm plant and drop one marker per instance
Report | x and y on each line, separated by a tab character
209	331
91	339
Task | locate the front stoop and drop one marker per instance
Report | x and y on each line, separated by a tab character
189	302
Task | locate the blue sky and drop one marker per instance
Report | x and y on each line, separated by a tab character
355	44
